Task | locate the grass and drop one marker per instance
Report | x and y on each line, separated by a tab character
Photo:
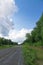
32	55
5	46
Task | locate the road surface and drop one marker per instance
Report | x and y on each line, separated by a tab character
11	56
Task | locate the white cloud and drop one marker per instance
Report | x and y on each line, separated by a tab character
7	7
17	36
7	10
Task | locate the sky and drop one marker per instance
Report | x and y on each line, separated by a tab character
29	13
18	17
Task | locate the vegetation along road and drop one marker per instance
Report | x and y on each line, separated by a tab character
11	56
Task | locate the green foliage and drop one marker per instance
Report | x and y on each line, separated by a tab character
37	33
38	44
32	55
28	37
29	56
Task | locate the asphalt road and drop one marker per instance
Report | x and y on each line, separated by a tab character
11	56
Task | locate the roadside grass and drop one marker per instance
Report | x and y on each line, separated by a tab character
5	46
39	53
32	55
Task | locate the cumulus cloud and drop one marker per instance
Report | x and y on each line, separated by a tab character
17	36
7	9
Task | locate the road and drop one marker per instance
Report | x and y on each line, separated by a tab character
11	56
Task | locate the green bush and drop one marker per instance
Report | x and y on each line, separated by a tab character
38	44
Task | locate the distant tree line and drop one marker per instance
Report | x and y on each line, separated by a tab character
37	33
4	41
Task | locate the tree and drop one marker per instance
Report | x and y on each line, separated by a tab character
37	33
28	38
7	42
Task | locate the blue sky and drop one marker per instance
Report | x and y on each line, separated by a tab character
19	17
29	11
